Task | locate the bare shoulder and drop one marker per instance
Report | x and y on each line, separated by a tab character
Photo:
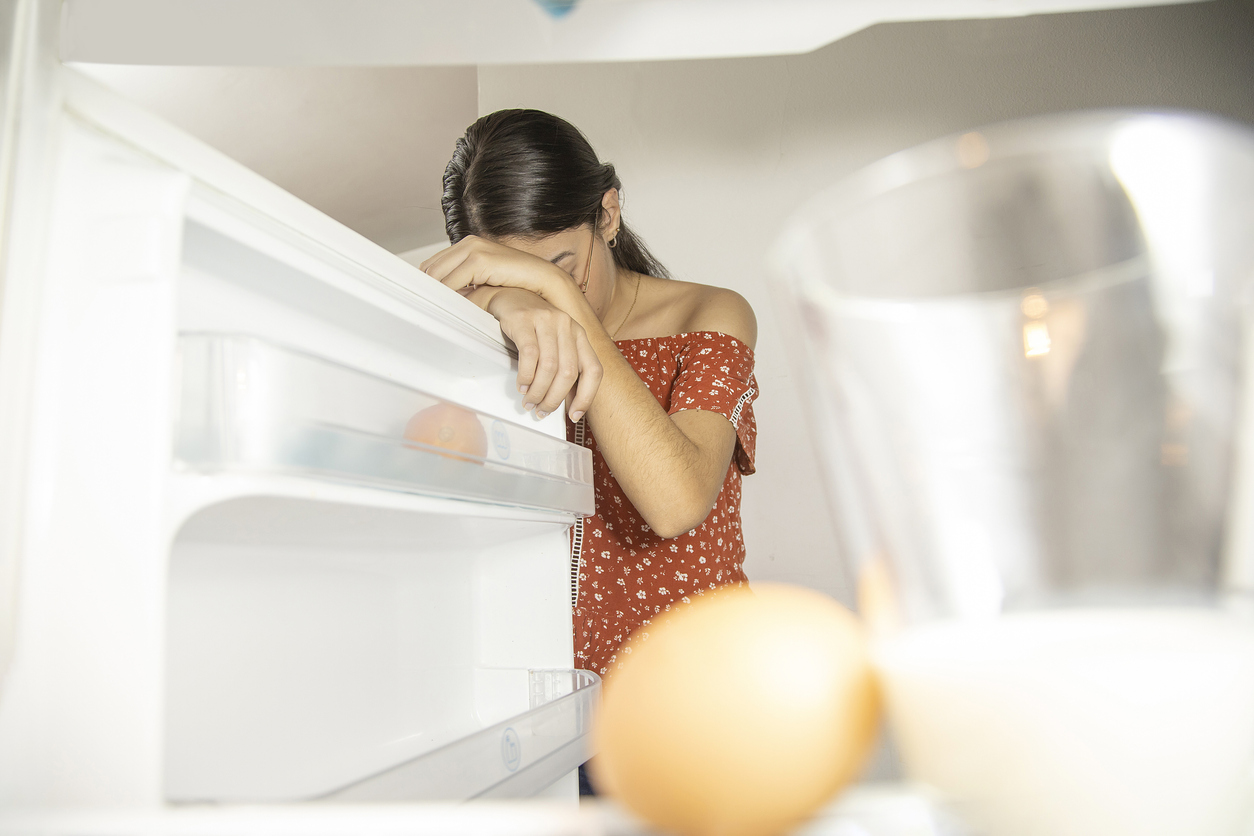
670	306
725	311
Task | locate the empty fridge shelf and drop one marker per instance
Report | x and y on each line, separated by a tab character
247	404
513	758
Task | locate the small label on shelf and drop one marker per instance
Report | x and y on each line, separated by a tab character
500	440
511	749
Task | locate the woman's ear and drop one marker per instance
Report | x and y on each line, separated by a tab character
611	214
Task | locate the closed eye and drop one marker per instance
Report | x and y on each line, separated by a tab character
558	260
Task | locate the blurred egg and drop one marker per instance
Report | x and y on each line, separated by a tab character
738	715
451	427
877	595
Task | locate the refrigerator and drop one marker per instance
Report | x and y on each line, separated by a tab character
231	578
235	598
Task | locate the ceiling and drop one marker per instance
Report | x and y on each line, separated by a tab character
480	32
366	145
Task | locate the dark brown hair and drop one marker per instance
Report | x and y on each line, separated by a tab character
529	174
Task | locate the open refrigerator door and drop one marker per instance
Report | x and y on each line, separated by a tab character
247	563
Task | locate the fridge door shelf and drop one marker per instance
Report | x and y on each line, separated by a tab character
246	404
513	758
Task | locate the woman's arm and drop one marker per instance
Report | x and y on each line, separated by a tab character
555	360
670	467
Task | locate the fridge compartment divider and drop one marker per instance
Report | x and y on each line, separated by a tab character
246	404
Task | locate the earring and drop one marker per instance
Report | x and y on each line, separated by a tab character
614	241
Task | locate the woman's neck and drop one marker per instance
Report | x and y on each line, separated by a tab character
623	302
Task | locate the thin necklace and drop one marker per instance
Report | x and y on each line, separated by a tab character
630	308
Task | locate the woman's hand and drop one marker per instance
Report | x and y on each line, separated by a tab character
477	262
555	360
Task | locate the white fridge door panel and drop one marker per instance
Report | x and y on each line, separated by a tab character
241	277
267	215
210	629
86	675
497	819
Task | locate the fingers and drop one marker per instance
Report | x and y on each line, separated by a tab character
479	268
535	335
429	265
475	262
450	266
548	362
432	266
555	360
528	358
589	377
565	369
460	270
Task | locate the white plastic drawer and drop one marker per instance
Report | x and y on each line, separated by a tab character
513	758
248	404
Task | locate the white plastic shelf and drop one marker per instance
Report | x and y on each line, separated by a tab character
515	757
249	405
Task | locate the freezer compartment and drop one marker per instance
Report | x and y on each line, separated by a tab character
516	757
248	404
313	645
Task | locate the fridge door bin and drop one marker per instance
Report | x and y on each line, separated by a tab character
514	758
310	644
248	404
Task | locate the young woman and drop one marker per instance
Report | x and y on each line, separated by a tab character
657	374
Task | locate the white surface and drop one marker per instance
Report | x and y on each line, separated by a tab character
1085	722
252	405
418	255
1238	555
311	642
518	756
863	810
84	687
366	145
28	131
263	216
554	818
393	32
240	277
565	788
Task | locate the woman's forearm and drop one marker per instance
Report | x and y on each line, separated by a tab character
672	478
671	474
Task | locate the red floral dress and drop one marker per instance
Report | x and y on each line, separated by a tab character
623	573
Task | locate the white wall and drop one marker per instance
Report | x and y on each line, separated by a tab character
715	154
366	145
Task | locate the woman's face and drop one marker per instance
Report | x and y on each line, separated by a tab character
583	255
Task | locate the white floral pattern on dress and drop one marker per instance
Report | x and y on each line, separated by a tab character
696	370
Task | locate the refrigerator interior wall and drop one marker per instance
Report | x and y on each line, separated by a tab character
246	634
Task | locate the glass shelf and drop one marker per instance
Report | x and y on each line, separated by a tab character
513	758
248	404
